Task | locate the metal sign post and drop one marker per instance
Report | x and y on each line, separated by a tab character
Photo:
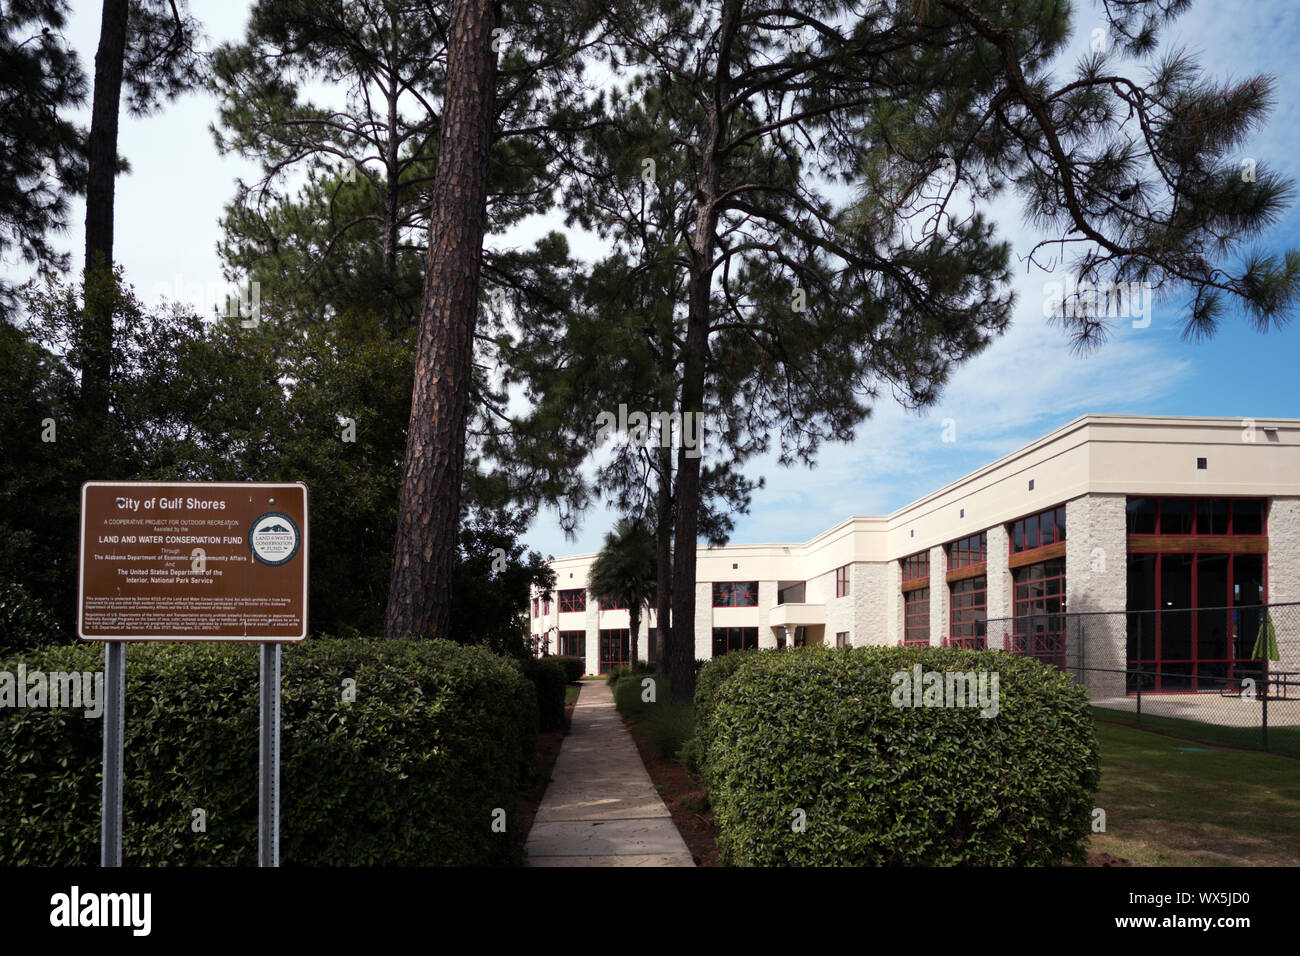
110	819
192	561
268	774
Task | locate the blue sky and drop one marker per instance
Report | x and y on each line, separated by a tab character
1026	384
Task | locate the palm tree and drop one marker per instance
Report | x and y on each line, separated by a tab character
625	573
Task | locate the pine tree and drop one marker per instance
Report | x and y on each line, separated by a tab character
803	305
42	152
150	48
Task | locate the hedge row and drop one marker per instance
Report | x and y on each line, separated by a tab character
809	762
409	773
574	667
549	680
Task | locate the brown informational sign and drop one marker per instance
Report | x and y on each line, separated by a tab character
192	561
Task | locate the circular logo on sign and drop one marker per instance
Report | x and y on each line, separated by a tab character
274	538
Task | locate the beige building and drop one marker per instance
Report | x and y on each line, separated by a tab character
1177	527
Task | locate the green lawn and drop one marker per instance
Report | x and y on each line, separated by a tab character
1281	740
1172	802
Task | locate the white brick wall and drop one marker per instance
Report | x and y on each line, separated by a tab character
593	637
870	590
938	595
894	573
1284	576
1096	579
998	575
1284	550
703	620
766	601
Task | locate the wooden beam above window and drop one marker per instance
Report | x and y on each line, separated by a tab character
961	574
1185	543
1037	555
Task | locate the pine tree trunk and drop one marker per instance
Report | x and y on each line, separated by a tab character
664	547
424	550
703	244
687	496
101	182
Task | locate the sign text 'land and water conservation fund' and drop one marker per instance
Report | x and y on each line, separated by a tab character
193	561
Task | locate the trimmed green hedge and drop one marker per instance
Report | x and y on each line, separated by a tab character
574	667
549	679
439	736
817	730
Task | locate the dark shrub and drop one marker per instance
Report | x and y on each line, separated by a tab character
574	668
818	731
438	737
25	622
549	679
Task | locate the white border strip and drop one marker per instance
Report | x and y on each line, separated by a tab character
190	638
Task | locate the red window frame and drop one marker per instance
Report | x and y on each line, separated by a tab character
841	638
967	613
573	600
571	644
1029	528
916	566
916	618
842	581
730	594
612	656
734	639
1195	501
969	552
1191	681
536	604
1046	643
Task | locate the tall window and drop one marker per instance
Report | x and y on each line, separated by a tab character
735	594
842	581
615	649
1198	516
1194	605
573	600
969	552
967	613
916	617
572	644
734	639
916	566
841	638
536	604
1038	603
1038	531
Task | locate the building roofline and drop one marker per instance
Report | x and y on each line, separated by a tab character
1078	424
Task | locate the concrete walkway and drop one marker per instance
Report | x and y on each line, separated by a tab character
601	808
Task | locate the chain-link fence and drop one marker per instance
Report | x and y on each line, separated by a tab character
1222	675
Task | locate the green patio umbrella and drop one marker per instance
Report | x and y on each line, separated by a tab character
1266	642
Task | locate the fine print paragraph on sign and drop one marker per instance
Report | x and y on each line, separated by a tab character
193	561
